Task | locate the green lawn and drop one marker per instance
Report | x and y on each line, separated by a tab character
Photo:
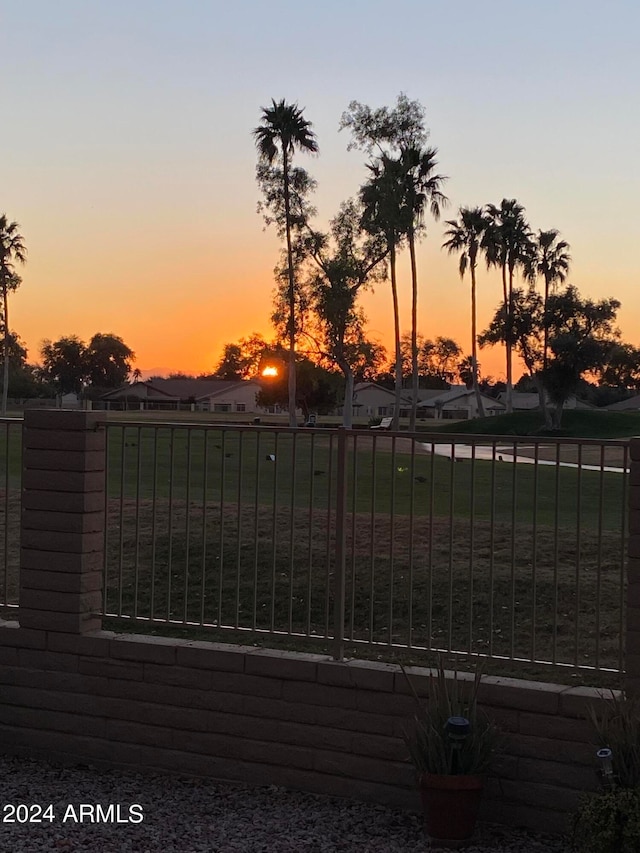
498	559
579	424
482	557
236	468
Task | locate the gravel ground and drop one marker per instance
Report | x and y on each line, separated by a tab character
194	816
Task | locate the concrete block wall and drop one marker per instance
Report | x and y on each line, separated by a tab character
267	717
73	692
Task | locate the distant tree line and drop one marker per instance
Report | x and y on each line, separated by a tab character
321	275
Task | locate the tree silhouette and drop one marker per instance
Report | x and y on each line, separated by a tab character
464	235
507	244
284	130
12	251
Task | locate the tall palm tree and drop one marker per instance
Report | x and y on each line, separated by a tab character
551	260
12	250
382	198
507	244
465	235
282	131
422	188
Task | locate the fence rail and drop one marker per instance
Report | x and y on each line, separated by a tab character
507	547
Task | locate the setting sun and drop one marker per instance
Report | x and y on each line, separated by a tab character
270	371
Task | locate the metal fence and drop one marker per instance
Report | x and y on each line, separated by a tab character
10	490
510	548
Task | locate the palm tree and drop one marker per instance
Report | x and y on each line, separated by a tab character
465	236
551	261
12	250
282	131
382	200
507	244
421	188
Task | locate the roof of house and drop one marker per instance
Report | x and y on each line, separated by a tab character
363	386
459	392
631	404
182	389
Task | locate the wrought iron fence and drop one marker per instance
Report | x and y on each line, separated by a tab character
510	548
10	488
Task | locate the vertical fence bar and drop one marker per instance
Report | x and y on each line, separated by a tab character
599	559
556	535
341	521
238	532
514	521
576	657
187	530
136	581
328	549
392	537
121	521
154	516
312	475
534	550
492	539
412	487
372	545
432	479
452	489
172	451
624	543
354	531
292	524
274	532
205	473
256	538
105	568
221	561
5	583
472	525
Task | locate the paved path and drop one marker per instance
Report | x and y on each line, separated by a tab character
506	454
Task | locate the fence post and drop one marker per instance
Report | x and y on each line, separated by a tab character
62	522
341	528
632	638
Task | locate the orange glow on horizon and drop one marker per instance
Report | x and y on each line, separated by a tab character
270	371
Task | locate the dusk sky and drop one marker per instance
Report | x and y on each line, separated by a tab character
127	155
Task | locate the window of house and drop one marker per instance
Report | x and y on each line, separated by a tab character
222	407
241	407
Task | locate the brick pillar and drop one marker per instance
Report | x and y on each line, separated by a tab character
632	639
63	517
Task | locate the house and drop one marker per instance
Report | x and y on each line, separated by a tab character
527	402
376	401
204	395
458	403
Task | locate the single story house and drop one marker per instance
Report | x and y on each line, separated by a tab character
524	402
458	403
204	395
376	401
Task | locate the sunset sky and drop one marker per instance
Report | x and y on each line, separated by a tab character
127	155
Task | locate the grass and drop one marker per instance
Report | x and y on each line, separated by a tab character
237	468
204	526
575	423
251	570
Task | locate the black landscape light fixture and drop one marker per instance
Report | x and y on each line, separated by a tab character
457	730
605	771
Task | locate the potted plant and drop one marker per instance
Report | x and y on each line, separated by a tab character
450	742
609	821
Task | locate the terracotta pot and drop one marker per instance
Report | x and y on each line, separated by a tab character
451	805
